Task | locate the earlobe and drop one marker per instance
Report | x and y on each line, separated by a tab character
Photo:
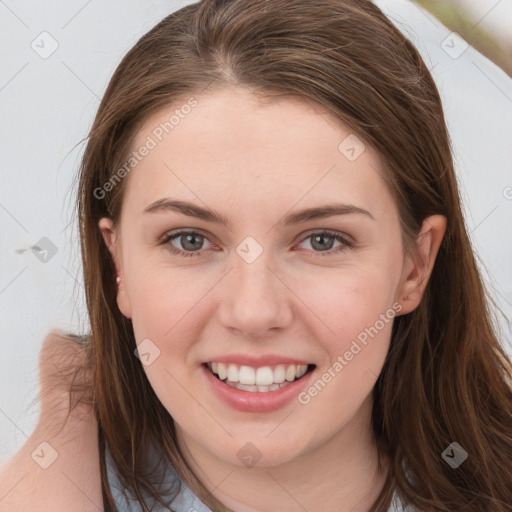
418	267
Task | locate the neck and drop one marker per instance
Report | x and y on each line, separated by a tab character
342	470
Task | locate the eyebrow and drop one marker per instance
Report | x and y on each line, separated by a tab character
192	210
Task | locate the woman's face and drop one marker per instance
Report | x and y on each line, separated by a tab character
264	280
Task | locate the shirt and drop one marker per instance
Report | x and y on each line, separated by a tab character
185	501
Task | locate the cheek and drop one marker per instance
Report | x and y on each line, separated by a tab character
357	306
167	312
351	299
162	299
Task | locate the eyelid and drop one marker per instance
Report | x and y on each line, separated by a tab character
299	238
347	242
168	236
182	231
331	232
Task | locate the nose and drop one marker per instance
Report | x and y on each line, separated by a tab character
254	301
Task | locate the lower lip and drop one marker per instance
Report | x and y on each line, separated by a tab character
255	401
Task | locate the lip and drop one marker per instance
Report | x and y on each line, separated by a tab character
256	362
256	402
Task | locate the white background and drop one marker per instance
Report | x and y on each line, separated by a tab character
47	106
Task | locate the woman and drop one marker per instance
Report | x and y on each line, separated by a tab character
285	307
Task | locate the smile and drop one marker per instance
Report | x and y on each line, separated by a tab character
262	379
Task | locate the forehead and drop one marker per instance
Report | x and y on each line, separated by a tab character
234	147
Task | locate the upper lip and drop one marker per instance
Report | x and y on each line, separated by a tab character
257	361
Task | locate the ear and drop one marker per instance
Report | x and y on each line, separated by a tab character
418	267
113	243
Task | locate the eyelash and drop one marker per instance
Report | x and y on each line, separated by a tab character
346	244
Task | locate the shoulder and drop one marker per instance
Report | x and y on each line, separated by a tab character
58	466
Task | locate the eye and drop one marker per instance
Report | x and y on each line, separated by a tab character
190	243
322	243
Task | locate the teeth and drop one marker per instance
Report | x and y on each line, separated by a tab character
221	371
301	370
290	373
279	373
247	375
264	376
253	389
233	372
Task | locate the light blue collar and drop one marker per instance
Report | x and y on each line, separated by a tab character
186	500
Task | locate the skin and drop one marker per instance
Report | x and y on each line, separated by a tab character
254	161
64	486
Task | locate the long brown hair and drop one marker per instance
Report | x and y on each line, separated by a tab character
446	378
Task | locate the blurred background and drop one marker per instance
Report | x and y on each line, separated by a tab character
56	58
484	24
